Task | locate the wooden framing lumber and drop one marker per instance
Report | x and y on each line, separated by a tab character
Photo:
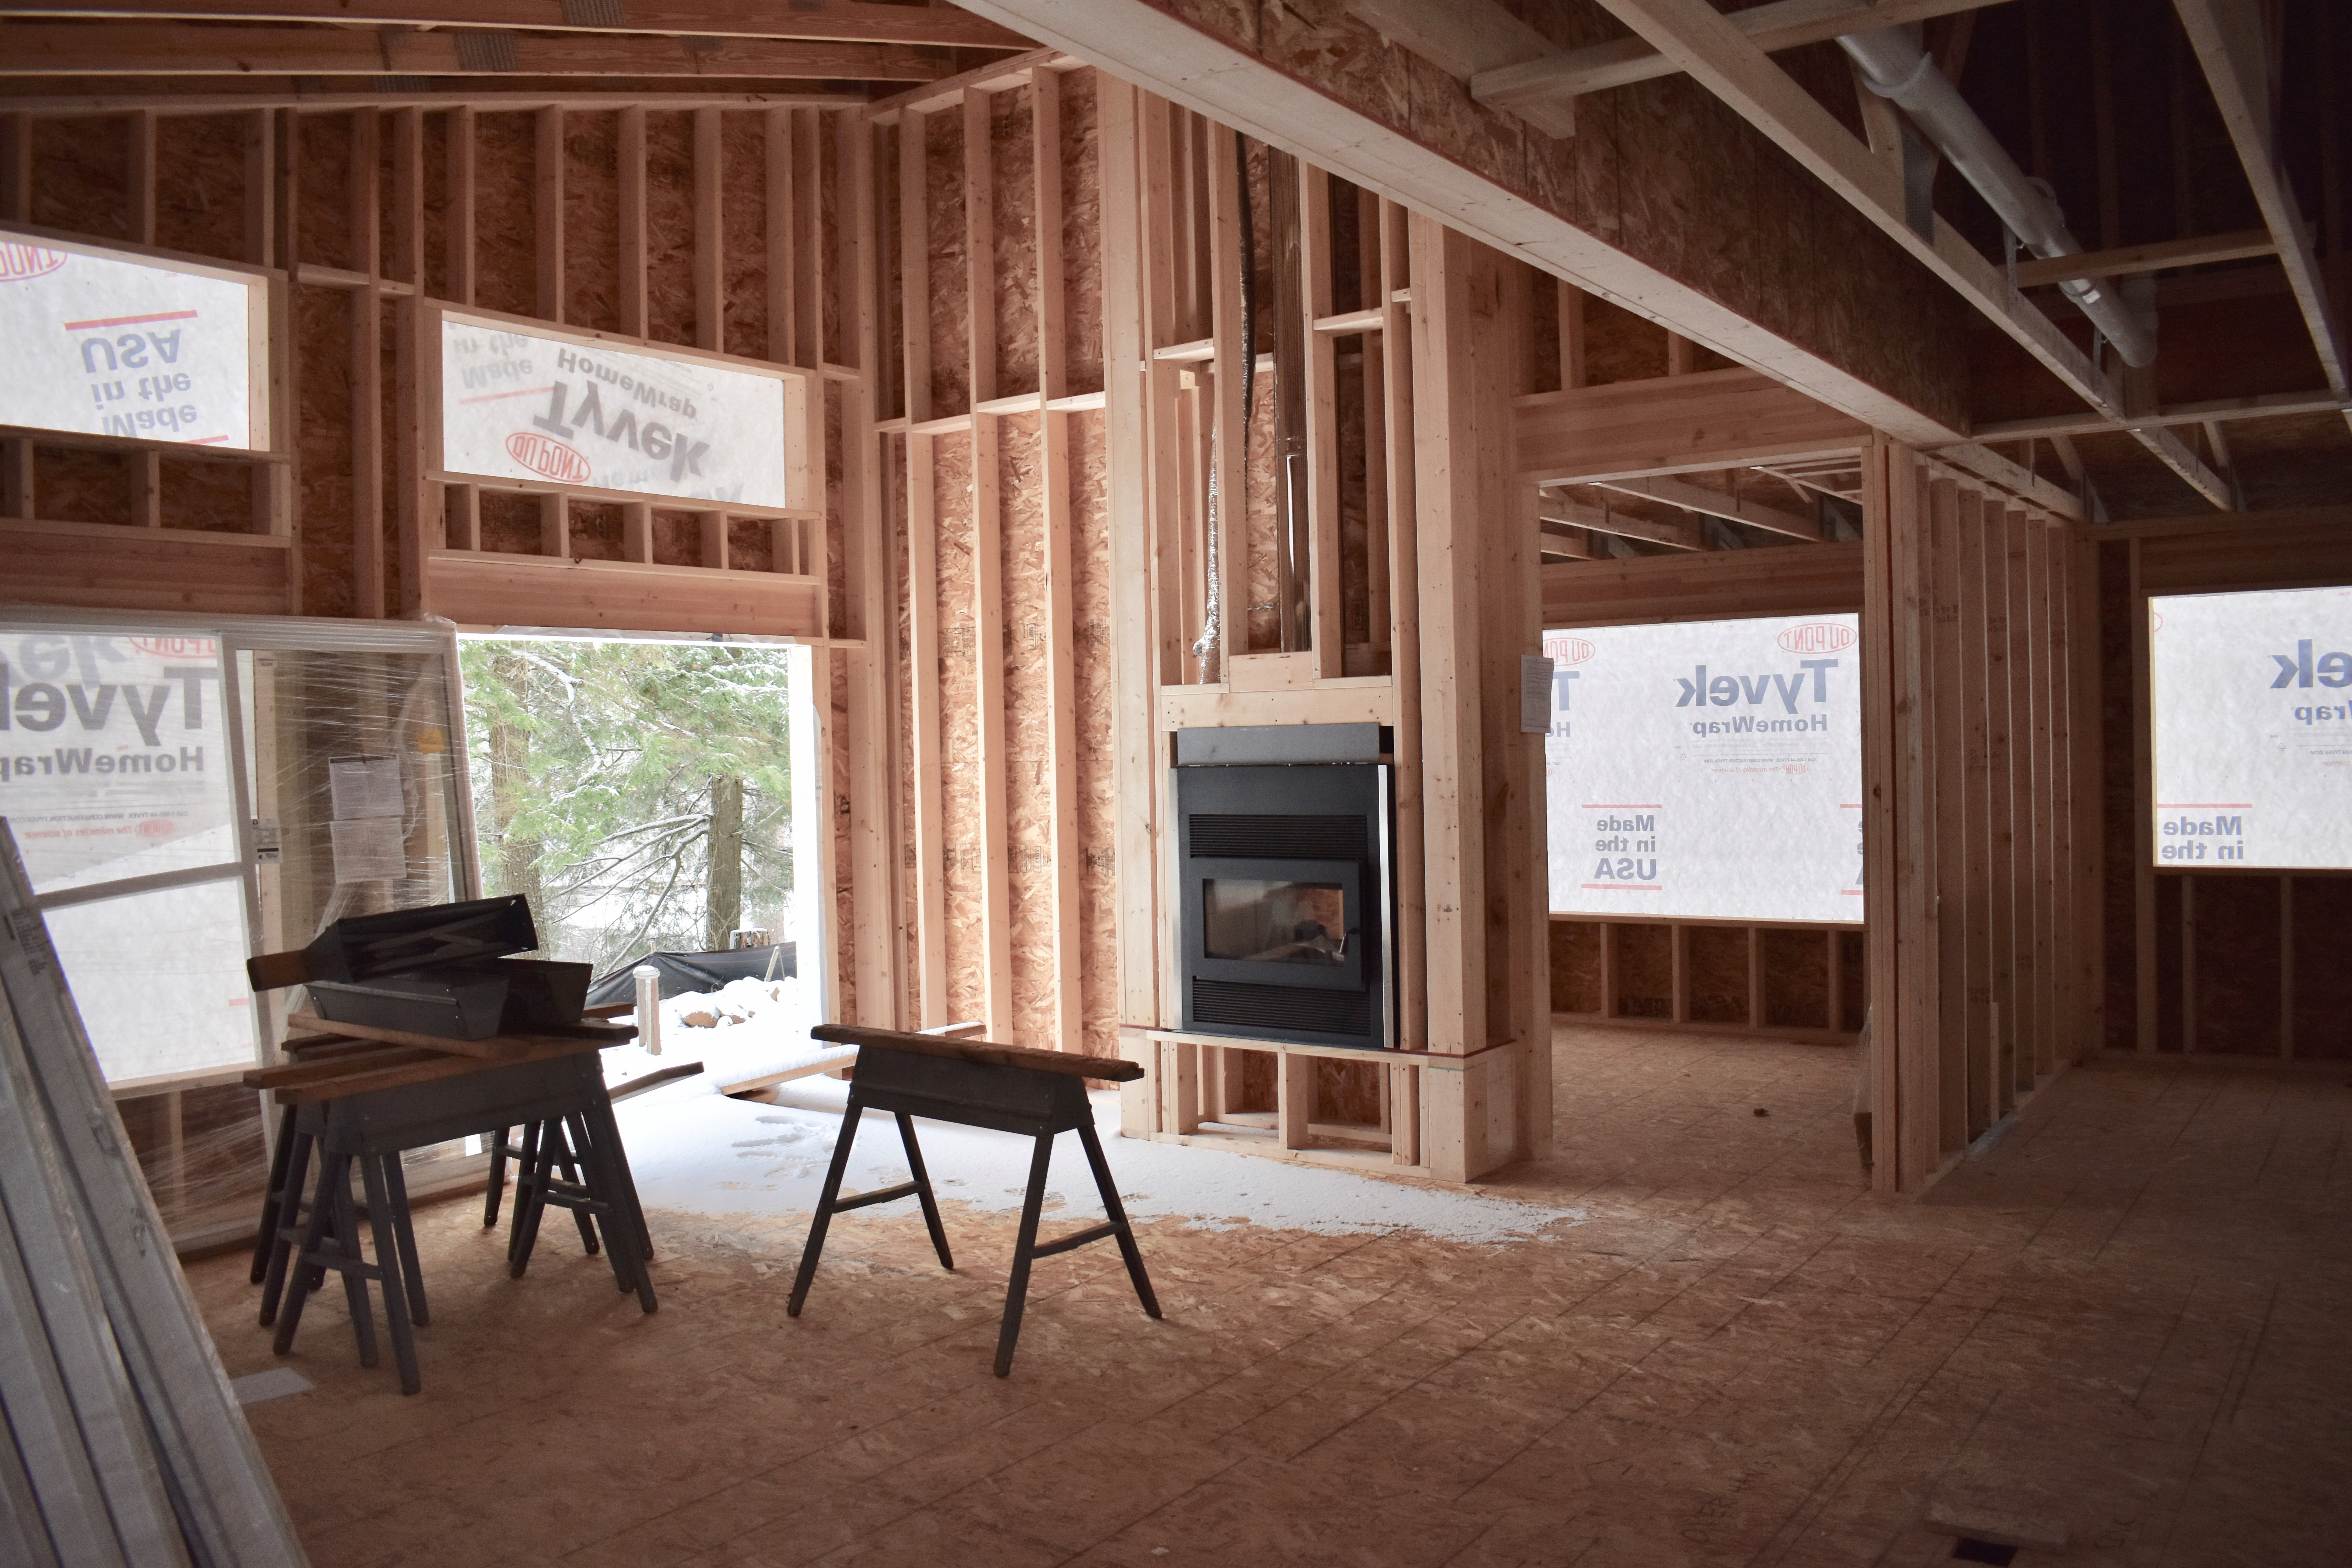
1708	45
2229	39
1675	425
814	21
129	49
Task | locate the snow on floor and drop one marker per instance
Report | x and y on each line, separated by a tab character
695	1151
709	1155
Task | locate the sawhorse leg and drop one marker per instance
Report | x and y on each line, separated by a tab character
829	1201
1025	1248
1117	1213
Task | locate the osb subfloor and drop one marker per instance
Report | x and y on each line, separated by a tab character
2129	1318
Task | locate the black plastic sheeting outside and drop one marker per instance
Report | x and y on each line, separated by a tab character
684	971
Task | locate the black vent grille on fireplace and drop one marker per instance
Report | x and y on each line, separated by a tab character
1237	836
1281	1008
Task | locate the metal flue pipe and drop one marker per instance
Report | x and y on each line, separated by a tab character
1894	66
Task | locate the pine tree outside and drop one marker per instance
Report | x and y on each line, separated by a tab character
638	793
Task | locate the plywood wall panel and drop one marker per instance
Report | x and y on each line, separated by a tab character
81	175
950	277
2322	979
506	224
1012	266
1717	960
592	230
669	225
678	538
2237	951
200	185
1644	971
962	833
1094	684
1082	293
83	484
1575	966
323	512
1796	980
1028	725
510	522
595	531
744	221
211	497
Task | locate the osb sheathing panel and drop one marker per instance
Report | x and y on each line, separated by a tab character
81	175
322	323
1662	170
1853	976
1096	696
1013	264
214	496
961	827
894	492
388	421
592	226
1644	971
82	484
2238	935
750	545
1347	1092
1717	959
1575	966
669	225
1028	726
595	533
2118	800
505	222
200	185
943	192
436	147
1260	619
2323	979
677	539
1355	543
1796	979
510	521
743	216
1082	300
837	790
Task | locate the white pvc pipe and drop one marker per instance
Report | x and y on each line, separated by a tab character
648	981
1894	66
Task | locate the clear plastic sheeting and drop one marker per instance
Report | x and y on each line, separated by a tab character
354	787
160	978
112	761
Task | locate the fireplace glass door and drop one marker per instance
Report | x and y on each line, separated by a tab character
1283	922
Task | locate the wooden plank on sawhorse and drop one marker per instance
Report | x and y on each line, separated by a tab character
1010	1088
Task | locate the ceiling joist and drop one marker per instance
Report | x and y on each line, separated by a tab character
165	48
1704	42
817	21
1689	497
2228	37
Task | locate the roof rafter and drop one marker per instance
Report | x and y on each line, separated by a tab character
2228	37
1704	42
822	21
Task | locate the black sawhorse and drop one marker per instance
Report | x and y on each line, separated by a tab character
563	1096
1039	1094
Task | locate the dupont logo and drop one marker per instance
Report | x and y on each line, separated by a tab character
1569	650
545	455
1817	637
176	647
18	262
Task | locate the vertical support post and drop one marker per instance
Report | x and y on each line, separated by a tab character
930	733
711	236
459	219
367	370
1230	418
629	221
547	210
1295	1099
1326	627
1678	986
1136	754
2143	816
1755	977
2286	968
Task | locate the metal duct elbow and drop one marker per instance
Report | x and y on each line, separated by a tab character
1894	66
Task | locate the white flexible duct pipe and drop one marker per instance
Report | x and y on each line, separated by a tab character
1894	66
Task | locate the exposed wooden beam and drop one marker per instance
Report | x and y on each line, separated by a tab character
2228	37
1353	125
1705	43
2238	245
2263	405
222	94
1716	503
1826	580
1685	424
1676	534
823	21
163	48
1785	24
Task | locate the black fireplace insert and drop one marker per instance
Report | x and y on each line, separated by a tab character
1284	892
